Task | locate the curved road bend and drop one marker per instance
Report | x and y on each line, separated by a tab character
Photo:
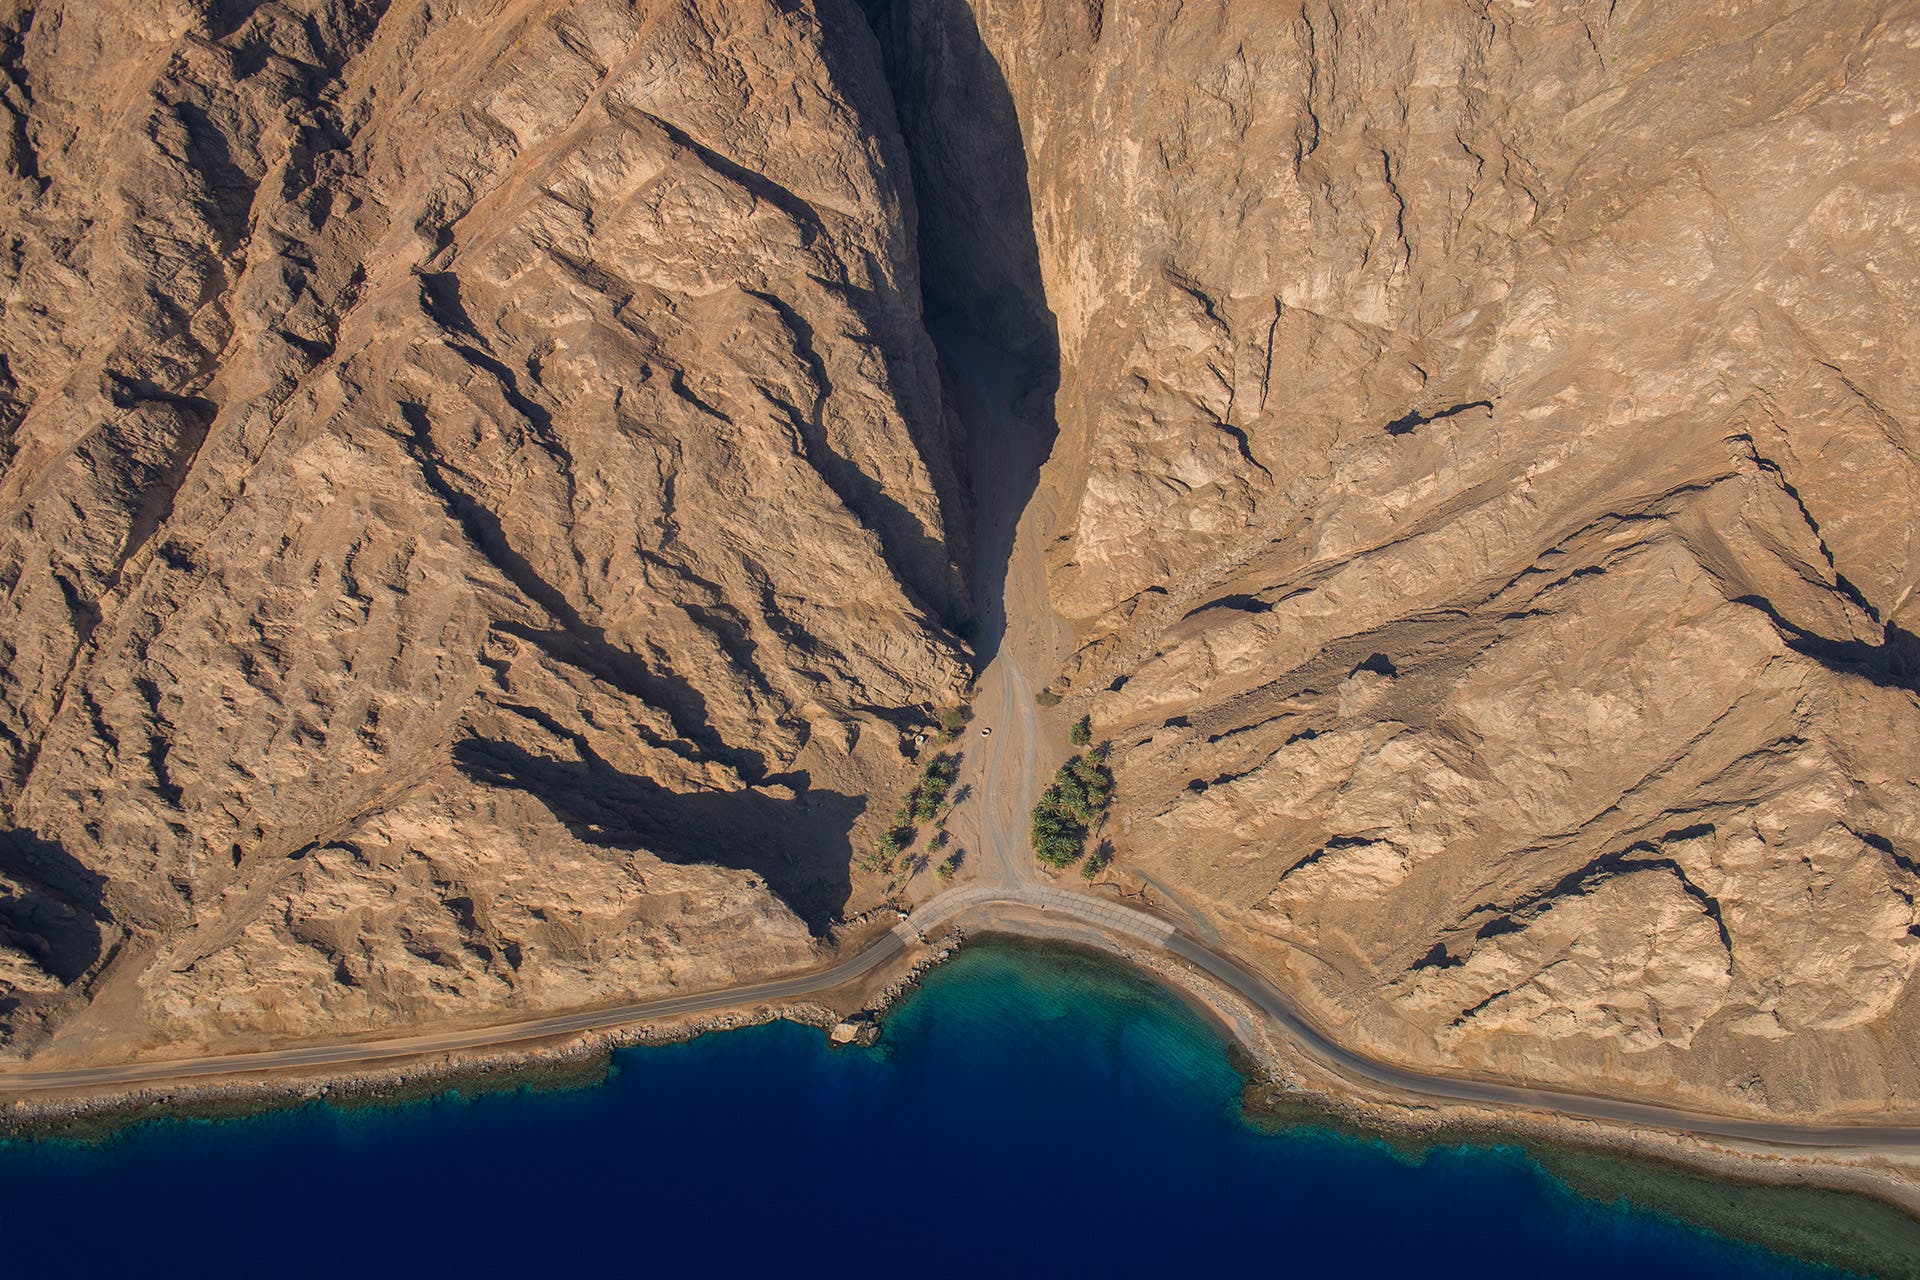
984	902
1140	926
1010	881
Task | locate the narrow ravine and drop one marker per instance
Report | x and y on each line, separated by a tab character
987	316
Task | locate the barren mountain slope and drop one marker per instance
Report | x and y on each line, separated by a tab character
1488	433
476	506
478	516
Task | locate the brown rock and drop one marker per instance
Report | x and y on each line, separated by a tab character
476	507
1487	438
478	510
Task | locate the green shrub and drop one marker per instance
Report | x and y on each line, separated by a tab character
1058	833
1047	698
935	780
922	804
1082	732
1083	787
1081	790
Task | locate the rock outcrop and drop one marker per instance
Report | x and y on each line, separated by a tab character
477	508
1489	438
480	514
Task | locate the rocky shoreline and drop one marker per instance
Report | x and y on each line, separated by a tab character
568	1062
1285	1089
1282	1090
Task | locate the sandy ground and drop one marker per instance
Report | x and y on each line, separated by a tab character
1002	772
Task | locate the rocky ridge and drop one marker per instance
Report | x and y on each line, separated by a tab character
1490	441
477	506
480	513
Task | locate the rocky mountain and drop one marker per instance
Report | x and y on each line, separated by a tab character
477	505
1488	435
482	519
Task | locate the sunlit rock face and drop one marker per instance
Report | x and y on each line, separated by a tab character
1487	435
479	513
476	506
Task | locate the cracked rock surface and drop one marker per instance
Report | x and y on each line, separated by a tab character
1489	436
476	507
479	510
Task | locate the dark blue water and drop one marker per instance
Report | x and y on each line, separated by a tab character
1027	1113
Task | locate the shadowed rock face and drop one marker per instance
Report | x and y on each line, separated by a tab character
476	504
478	512
53	928
1489	437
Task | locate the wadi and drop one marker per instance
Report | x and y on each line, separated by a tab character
515	511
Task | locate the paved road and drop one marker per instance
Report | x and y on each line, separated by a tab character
983	906
1202	927
940	911
1404	1081
1001	889
374	1051
1139	926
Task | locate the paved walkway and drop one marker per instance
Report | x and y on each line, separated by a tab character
1082	907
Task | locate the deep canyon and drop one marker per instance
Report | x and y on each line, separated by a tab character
485	517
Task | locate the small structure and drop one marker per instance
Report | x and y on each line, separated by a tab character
860	1028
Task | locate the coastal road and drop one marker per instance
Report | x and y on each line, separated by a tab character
369	1052
1003	890
988	907
1408	1083
1135	927
945	909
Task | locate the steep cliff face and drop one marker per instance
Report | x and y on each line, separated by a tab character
476	511
1489	439
479	514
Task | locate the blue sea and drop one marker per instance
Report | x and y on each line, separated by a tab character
1028	1112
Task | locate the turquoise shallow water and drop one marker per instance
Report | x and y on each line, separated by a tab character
1028	1113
